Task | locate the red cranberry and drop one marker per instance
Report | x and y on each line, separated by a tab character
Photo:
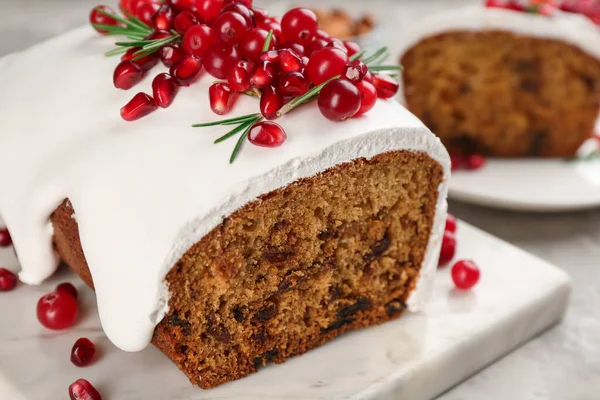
451	223
146	63
456	162
83	390
270	102
163	19
231	27
127	75
368	97
326	63
315	45
272	25
246	3
159	35
299	24
184	21
97	18
465	274
83	352
240	9
369	77
209	9
126	7
222	98
271	56
290	61
474	161
170	54
183	5
338	44
386	86
198	39
57	310
5	239
8	280
352	48
252	43
355	71
296	48
267	134
145	11
239	76
264	74
186	70
67	288
293	84
321	34
259	15
164	89
220	58
448	248
339	100
139	106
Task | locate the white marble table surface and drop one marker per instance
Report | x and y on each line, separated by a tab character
563	363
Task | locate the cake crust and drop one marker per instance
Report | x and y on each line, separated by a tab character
295	268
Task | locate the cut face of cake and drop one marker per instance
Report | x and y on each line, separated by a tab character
504	83
224	267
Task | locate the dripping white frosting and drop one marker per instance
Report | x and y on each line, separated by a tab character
145	192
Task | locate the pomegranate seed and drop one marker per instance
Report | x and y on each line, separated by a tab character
198	39
339	100
270	102
299	24
5	239
146	63
239	76
290	61
272	25
97	18
355	71
170	54
8	280
386	86
183	5
271	56
352	48
448	248
293	84
465	274
451	223
83	390
240	9
267	134
315	45
326	63
296	48
247	3
259	15
138	107
126	7
456	162
164	89
222	98
57	310
67	288
163	19
474	161
145	11
184	21
127	75
159	35
83	352
220	58
369	77
264	74
231	27
338	44
368	97
186	70
209	9
252	43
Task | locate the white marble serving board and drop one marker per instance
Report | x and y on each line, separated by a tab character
415	357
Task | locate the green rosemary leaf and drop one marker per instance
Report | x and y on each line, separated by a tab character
235	130
306	97
268	41
240	141
114	52
379	68
230	121
127	22
139	43
358	55
154	46
375	56
139	22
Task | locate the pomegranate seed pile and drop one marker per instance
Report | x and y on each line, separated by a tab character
465	273
589	8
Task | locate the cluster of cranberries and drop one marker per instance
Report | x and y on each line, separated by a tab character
465	273
8	280
469	162
589	8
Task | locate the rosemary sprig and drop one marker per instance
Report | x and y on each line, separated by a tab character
133	25
240	142
230	121
268	40
305	98
235	130
358	55
155	45
381	68
375	57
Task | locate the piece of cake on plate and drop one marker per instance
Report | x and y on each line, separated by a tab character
508	79
238	242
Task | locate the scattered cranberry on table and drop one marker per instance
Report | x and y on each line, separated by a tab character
67	288
5	239
81	389
57	310
471	162
267	134
83	352
465	274
451	223
8	280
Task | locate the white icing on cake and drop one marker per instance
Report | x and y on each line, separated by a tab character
145	192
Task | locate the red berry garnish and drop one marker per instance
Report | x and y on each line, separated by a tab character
451	223
126	7
146	63
290	61
386	86
465	274
186	70
184	21
170	54
315	45
138	107
98	18
368	97
83	390
352	48
222	98
299	24
163	19
474	161
127	75
448	248
271	56
183	5
355	71
264	74
267	134
67	288
272	25
259	15
247	3
231	27
158	35
241	9
296	48
338	44
321	34
5	239
369	77
83	352
252	43
220	58
293	84
209	9
326	63
456	162
145	11
57	310
239	76
339	100
270	102
164	89
8	280
198	39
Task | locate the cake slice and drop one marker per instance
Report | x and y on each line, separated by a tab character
502	82
223	267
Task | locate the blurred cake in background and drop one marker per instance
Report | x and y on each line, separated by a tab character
506	79
339	23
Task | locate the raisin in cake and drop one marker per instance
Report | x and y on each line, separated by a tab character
502	82
222	267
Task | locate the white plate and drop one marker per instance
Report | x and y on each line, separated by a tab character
415	357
